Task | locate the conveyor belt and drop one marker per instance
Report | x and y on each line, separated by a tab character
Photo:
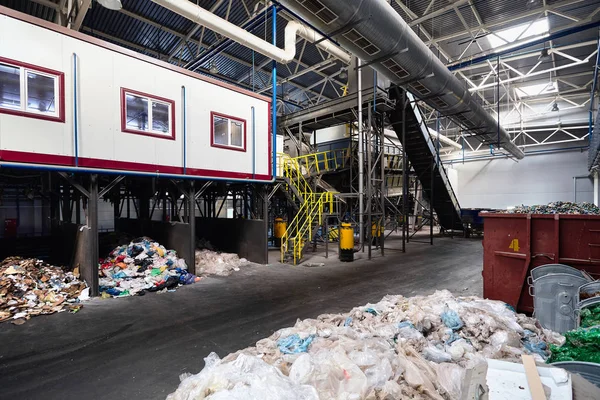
422	155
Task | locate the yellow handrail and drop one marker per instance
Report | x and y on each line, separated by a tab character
299	229
312	204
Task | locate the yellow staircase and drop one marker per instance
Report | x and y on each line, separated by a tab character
313	205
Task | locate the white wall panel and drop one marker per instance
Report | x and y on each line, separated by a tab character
31	44
536	179
96	101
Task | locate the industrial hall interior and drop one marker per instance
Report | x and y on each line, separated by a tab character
300	199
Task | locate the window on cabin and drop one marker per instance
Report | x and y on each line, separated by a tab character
146	114
228	132
30	91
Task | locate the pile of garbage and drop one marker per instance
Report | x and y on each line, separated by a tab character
582	344
557	207
30	287
142	265
210	262
418	347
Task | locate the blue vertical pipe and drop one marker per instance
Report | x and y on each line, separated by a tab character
591	132
75	116
274	91
253	144
498	96
185	129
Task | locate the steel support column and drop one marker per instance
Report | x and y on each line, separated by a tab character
191	199
90	272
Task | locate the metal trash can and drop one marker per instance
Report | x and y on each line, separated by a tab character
587	291
546	269
555	300
591	302
589	370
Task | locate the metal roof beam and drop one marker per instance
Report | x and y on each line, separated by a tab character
522	44
206	45
48	3
531	54
322	64
82	8
441	11
191	33
526	14
534	72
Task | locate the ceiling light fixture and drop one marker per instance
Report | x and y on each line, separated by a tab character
111	4
343	74
555	107
213	68
544	54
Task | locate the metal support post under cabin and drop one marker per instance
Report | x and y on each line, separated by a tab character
116	203
361	166
264	191
78	209
90	272
404	175
326	236
192	223
431	204
383	195
369	207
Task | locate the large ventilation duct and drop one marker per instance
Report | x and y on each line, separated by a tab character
375	32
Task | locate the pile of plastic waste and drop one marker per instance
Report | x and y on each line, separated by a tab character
590	316
418	347
30	287
557	207
142	265
581	344
213	263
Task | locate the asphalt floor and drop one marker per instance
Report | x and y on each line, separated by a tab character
137	347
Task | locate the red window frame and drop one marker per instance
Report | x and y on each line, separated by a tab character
214	114
124	127
60	101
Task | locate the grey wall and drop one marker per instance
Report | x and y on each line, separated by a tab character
246	238
536	179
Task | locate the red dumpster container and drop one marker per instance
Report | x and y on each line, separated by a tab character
513	244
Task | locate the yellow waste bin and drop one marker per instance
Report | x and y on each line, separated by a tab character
279	230
346	242
376	233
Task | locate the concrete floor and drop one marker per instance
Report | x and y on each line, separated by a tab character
136	347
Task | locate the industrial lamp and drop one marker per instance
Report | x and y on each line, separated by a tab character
343	74
555	107
111	4
213	68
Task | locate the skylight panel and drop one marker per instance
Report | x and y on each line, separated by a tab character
536	89
530	31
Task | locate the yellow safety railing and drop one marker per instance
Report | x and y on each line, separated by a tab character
300	230
310	214
324	161
292	171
